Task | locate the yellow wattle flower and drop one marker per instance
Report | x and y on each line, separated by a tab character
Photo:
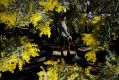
10	62
87	71
96	19
35	18
45	29
90	56
8	18
51	5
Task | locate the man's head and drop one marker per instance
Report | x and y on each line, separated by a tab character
63	17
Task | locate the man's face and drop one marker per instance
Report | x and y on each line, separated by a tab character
65	18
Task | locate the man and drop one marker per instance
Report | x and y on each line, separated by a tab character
64	34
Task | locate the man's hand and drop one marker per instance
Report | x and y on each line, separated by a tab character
69	38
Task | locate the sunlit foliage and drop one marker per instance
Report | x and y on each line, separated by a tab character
87	71
45	28
101	26
91	42
8	18
17	50
59	70
96	19
6	2
17	53
51	5
36	18
90	56
110	70
22	13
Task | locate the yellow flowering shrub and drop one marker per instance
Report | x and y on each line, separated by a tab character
19	16
87	71
8	18
88	39
96	19
88	74
8	64
15	16
35	18
91	42
73	76
51	5
45	28
51	62
74	71
90	56
57	70
19	56
51	74
42	73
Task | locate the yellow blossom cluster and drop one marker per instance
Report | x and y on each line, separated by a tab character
41	74
8	64
91	42
73	76
45	28
87	71
96	19
58	69
51	74
27	50
90	56
30	50
8	18
88	39
51	5
35	18
50	62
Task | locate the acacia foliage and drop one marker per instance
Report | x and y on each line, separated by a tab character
100	17
18	50
96	21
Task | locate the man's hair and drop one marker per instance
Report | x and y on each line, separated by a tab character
62	16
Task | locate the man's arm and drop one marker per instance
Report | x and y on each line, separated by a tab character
66	32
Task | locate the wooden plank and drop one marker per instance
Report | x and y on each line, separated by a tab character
84	48
58	53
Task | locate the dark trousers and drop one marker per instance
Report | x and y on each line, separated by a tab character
65	41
